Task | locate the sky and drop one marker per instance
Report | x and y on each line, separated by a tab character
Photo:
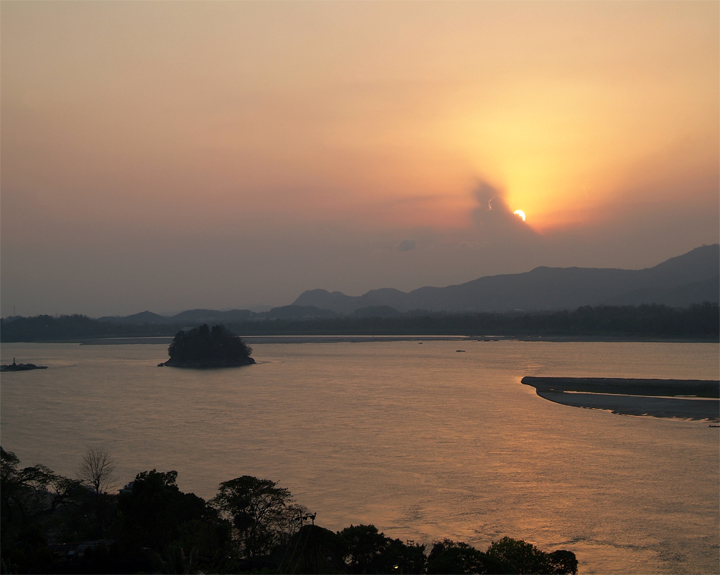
165	156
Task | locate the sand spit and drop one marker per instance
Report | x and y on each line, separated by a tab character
693	399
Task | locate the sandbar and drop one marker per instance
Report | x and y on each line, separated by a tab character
689	399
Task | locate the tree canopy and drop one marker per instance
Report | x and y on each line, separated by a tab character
698	321
204	347
258	510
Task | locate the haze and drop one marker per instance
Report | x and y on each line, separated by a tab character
168	156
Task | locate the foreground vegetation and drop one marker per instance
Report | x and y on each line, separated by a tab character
699	321
59	525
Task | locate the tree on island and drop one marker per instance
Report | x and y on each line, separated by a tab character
205	348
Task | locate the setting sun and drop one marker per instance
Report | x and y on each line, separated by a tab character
521	214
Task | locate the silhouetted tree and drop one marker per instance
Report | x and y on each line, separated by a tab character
156	514
520	557
97	468
31	498
365	548
563	562
369	551
164	530
449	557
258	510
314	550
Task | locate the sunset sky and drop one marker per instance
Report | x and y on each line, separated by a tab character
176	155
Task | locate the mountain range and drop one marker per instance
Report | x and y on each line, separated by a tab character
203	316
677	282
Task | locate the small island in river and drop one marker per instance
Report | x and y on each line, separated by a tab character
208	348
20	367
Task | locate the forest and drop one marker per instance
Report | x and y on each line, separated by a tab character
696	322
52	524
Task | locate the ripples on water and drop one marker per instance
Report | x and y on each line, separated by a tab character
420	440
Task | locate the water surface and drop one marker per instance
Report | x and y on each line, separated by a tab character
418	439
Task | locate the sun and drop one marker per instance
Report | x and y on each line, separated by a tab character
521	214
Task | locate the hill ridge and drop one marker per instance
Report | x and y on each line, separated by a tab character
548	288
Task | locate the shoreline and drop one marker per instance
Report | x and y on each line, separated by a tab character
322	339
686	399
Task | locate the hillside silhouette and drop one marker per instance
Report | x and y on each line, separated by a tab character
678	282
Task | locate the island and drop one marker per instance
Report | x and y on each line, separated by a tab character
661	398
20	367
208	348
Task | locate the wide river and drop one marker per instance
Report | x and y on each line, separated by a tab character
421	440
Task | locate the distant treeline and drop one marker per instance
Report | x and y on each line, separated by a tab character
52	524
699	321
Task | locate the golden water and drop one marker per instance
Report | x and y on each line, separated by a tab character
418	439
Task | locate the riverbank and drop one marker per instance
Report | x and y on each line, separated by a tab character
310	339
283	339
646	323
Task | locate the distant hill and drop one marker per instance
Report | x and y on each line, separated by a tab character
679	281
187	318
211	317
137	319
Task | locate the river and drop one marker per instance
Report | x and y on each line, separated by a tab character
422	440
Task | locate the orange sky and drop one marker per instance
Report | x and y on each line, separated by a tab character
295	127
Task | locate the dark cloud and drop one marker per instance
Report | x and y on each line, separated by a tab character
407	245
495	218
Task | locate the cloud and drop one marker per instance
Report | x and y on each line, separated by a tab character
406	245
484	193
495	219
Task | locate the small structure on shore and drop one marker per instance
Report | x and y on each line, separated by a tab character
208	348
20	367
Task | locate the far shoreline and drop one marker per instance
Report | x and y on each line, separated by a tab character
337	338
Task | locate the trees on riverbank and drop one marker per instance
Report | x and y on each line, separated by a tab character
49	525
699	321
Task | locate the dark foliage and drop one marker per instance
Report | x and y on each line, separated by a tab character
369	551
520	557
175	526
507	556
39	505
251	526
314	550
699	321
449	557
259	511
46	328
203	345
